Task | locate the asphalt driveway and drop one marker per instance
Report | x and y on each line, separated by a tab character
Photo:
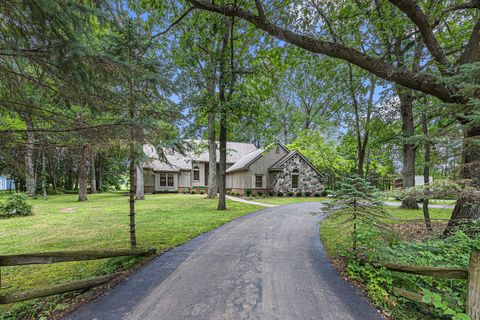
267	265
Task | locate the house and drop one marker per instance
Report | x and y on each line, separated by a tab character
275	169
6	182
419	181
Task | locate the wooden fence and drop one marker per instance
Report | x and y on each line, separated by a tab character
472	275
66	256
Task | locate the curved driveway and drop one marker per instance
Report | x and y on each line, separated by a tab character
266	265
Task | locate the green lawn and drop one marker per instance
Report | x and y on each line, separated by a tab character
61	223
288	200
336	237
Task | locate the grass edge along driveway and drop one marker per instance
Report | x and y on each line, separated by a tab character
61	223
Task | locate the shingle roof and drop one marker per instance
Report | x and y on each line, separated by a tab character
244	161
177	161
235	151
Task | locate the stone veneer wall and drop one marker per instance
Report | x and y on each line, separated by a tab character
308	180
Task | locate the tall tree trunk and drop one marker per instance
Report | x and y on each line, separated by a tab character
30	183
133	237
100	173
222	205
222	85
44	176
467	207
426	174
409	149
82	173
212	156
140	186
93	174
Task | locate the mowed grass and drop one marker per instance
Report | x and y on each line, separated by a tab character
288	200
62	223
336	235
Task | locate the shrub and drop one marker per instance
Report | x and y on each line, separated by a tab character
16	205
324	193
202	192
193	192
290	193
186	191
279	194
271	193
248	192
228	193
299	194
307	194
259	193
317	194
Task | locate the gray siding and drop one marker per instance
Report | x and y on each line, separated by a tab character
261	165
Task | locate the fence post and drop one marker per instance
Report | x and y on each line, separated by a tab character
473	293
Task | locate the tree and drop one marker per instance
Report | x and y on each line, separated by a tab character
356	202
431	81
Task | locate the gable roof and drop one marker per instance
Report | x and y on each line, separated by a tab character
235	151
250	158
279	163
176	161
246	160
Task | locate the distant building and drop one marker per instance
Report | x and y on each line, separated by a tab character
418	181
6	182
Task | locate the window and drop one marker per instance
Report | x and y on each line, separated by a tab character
166	180
294	178
259	181
163	179
196	173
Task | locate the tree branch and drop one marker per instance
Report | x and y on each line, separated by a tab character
380	68
472	50
463	6
179	19
261	11
416	15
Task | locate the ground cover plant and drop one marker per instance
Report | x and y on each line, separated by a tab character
390	239
61	223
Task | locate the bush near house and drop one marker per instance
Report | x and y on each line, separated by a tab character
259	194
193	192
299	194
290	194
248	192
307	194
16	204
280	194
317	194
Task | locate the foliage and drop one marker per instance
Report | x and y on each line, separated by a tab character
16	204
358	201
248	192
299	193
279	194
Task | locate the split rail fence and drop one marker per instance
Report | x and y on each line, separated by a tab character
64	256
472	275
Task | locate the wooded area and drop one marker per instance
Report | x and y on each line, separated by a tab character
380	90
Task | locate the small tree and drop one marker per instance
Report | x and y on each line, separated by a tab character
357	202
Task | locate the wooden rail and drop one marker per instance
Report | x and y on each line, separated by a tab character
66	256
61	288
445	273
472	275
